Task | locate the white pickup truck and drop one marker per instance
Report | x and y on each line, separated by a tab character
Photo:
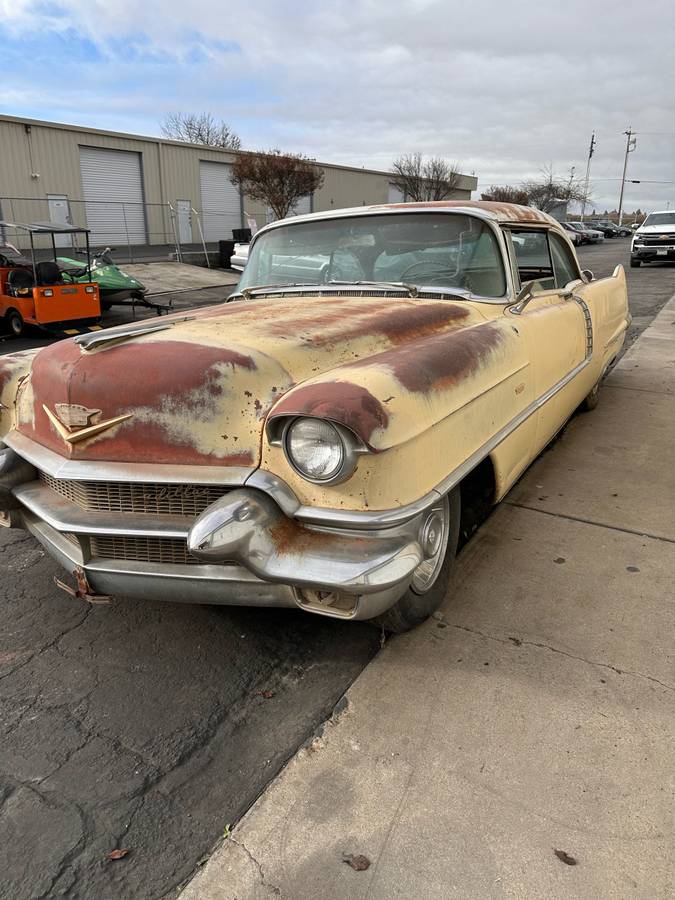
239	258
654	240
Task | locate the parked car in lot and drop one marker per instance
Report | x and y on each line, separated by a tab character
576	236
609	229
589	235
239	258
616	230
318	440
654	240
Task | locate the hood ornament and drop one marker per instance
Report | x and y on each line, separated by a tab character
73	422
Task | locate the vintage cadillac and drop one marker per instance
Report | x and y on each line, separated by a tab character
318	440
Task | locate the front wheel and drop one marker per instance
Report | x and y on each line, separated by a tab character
438	537
15	323
590	401
635	263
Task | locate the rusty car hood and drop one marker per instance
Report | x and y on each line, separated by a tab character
198	391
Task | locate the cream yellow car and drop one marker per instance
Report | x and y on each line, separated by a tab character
318	440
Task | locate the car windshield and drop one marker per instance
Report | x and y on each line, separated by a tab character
448	250
662	218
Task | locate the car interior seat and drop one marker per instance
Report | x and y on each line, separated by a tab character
20	282
48	272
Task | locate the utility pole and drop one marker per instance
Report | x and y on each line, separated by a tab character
591	150
630	146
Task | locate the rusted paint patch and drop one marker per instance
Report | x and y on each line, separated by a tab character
159	383
396	322
290	538
348	404
440	361
505	212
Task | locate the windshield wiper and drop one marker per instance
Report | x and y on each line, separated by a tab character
412	289
248	292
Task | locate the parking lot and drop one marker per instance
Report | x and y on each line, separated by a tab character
154	727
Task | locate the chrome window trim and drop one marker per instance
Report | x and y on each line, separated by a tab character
92	470
488	218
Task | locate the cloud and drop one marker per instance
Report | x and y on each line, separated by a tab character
505	87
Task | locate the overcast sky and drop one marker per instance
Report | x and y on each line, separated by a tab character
503	86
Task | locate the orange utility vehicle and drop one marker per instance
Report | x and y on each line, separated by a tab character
35	293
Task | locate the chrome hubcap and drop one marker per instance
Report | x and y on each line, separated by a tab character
433	538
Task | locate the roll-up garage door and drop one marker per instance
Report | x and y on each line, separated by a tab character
112	181
221	204
396	195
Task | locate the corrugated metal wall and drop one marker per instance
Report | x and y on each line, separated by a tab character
38	158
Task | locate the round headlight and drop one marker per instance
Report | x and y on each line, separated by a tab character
315	448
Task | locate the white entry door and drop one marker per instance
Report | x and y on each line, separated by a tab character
184	216
59	214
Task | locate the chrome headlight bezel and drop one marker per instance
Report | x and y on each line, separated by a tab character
350	450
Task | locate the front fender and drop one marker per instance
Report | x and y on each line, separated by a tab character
13	369
421	408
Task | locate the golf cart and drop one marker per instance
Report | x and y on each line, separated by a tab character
35	292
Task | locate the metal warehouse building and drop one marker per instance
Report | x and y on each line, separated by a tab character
141	191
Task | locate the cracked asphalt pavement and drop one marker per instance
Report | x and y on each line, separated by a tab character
151	727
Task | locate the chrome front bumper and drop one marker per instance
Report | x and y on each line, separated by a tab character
243	550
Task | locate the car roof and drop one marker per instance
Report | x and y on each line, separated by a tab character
45	227
511	213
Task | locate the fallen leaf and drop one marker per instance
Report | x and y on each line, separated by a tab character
565	857
117	854
226	832
359	863
266	694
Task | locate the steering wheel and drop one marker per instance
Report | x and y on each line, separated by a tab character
441	270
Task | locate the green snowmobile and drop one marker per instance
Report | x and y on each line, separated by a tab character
114	285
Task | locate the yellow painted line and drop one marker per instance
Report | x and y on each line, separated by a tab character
71	331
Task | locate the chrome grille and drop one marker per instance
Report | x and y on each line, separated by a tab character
137	497
142	549
656	240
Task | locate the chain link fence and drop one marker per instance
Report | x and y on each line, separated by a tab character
137	231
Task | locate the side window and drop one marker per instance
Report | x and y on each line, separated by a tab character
533	259
564	266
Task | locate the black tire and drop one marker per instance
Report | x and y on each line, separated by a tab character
413	608
14	321
591	399
635	263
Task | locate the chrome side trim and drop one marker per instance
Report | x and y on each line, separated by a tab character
87	470
87	341
387	518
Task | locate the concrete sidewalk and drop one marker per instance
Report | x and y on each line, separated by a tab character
533	715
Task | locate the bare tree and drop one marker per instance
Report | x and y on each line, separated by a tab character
548	191
419	179
200	128
277	179
506	193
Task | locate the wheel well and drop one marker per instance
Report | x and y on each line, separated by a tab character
477	491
